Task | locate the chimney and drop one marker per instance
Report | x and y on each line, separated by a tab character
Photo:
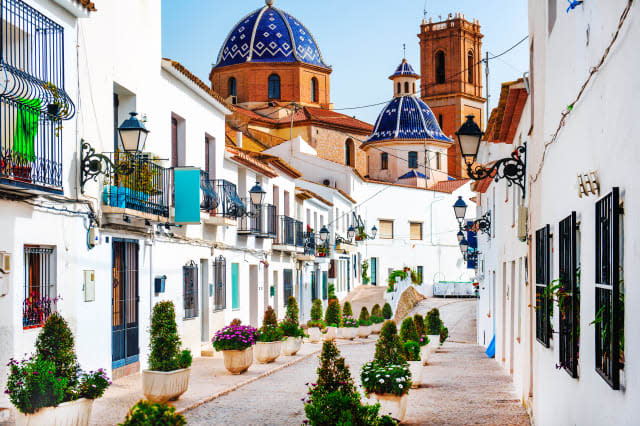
239	139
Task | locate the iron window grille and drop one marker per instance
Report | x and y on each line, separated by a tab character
569	295
39	286
543	279
230	205
309	243
190	289
220	284
609	309
299	233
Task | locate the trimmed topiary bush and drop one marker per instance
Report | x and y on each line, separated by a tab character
364	319
165	342
293	312
145	413
270	332
418	321
376	311
316	315
408	331
332	292
434	324
332	316
387	313
389	348
346	310
411	350
444	334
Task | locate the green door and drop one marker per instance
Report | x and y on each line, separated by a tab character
235	287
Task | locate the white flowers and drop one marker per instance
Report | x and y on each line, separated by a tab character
381	380
401	387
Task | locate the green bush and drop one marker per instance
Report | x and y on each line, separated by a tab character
332	292
434	324
411	350
332	316
408	330
444	334
270	332
365	273
316	315
389	346
34	383
387	313
376	311
270	318
145	413
418	321
376	320
293	312
165	342
93	384
290	328
364	319
346	310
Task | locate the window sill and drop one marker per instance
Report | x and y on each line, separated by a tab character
189	319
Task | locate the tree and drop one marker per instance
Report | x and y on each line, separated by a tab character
389	348
434	324
408	331
376	311
332	316
164	340
387	313
293	312
418	321
316	310
364	314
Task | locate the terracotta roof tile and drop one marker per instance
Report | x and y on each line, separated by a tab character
449	186
505	118
481	186
87	4
249	159
177	65
312	194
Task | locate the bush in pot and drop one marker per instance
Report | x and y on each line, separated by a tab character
236	342
332	318
434	327
387	313
315	324
349	327
293	334
376	319
346	310
146	413
293	311
169	368
364	323
270	338
444	334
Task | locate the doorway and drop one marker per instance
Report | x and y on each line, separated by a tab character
253	295
205	293
125	348
374	271
266	290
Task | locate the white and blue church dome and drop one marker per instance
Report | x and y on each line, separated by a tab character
270	35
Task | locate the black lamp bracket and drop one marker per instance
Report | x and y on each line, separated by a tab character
94	164
513	169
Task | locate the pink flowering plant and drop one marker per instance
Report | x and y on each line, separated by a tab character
34	384
93	384
235	338
349	322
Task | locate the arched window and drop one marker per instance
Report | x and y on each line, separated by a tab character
274	86
413	160
349	153
384	161
440	67
470	67
399	91
440	120
414	87
232	87
406	87
314	90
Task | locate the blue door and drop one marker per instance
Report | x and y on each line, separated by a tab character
374	271
125	348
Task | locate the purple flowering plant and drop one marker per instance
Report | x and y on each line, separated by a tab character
349	322
235	337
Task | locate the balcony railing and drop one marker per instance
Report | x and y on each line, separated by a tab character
267	221
300	241
145	189
310	243
209	200
286	231
249	223
230	205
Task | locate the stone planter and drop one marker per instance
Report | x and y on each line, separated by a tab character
395	406
291	346
425	352
349	333
331	334
163	386
434	341
415	367
267	352
73	413
364	331
376	328
315	334
237	362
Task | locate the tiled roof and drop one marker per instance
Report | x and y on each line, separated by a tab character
231	136
178	66
87	4
449	186
250	159
412	174
310	194
505	118
404	70
481	186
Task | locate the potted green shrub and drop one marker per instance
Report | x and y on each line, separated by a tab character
376	319
49	388
315	324
270	337
332	318
146	413
349	329
418	321
387	313
364	323
169	368
388	378
411	346
291	329
434	326
236	341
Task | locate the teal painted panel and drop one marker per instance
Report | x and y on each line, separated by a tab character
187	194
235	287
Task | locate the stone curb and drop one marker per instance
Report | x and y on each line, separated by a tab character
263	375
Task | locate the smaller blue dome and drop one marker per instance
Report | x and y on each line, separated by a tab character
407	118
404	70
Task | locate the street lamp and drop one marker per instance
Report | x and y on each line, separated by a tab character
460	236
133	134
351	232
464	246
374	232
460	209
324	233
511	168
257	195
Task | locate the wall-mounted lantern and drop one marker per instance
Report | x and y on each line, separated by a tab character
257	195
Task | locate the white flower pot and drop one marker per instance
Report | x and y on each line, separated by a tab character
73	413
364	331
392	405
425	352
376	328
331	334
267	352
415	367
237	362
349	333
434	341
315	335
163	386
291	346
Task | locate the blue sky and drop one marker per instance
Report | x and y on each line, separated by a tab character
361	39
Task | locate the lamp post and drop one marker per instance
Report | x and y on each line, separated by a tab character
351	232
133	134
460	210
374	232
324	234
460	236
257	195
511	168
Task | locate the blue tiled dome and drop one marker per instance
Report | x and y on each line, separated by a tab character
270	35
404	70
407	118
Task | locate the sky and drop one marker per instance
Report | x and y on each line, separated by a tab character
361	39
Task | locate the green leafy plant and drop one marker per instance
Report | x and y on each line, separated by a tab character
346	310
365	273
34	384
235	337
332	315
365	319
411	350
376	311
349	322
434	324
408	330
316	315
386	378
444	334
416	277
270	332
389	346
293	312
387	313
418	321
94	383
164	341
146	413
398	273
290	328
332	292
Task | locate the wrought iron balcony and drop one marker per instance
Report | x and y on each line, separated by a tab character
249	223
230	205
286	231
300	240
137	183
267	221
209	200
310	243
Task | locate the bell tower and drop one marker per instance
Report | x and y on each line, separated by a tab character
451	77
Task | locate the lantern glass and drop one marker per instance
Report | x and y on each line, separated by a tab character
460	209
374	232
464	246
324	234
460	236
469	136
351	232
133	134
257	194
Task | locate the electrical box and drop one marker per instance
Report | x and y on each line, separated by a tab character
89	286
159	283
5	262
94	236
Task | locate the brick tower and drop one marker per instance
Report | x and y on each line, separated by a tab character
451	77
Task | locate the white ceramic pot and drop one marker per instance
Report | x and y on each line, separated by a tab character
376	328
425	352
364	331
163	386
415	367
331	334
315	335
291	346
237	362
349	333
267	352
392	405
73	413
434	341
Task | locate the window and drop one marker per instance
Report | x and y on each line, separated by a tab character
551	13
399	91
288	284
314	90
569	300
440	121
415	230
190	289
232	87
609	310
274	86
413	160
438	160
349	153
384	161
470	67
406	87
325	289
220	284
385	230
414	87
39	286
543	277
440	67
420	271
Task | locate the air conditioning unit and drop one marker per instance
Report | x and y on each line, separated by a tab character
522	223
5	262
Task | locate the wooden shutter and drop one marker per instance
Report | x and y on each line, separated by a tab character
415	230
386	229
